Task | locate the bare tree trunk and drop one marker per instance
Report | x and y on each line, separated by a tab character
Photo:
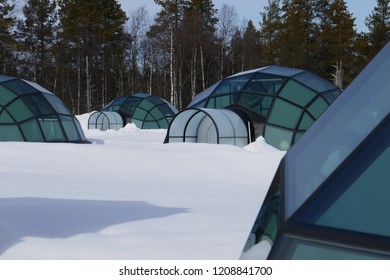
171	70
88	84
202	68
193	72
78	83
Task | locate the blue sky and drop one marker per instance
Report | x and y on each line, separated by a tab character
250	9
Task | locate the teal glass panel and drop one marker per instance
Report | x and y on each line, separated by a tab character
70	128
19	110
163	123
80	130
139	114
284	114
256	102
156	113
10	133
223	101
298	135
52	129
364	206
149	117
278	137
5	117
297	249
6	95
150	125
38	104
138	123
32	131
306	122
57	104
233	84
314	82
331	96
282	71
318	107
261	83
297	93
20	87
146	105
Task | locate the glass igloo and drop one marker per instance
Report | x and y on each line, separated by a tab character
330	198
146	111
289	99
31	113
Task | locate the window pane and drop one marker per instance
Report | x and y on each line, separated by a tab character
38	104
146	105
285	114
156	113
297	93
293	248
70	128
52	129
31	131
318	107
265	84
232	84
256	102
57	104
19	110
139	114
278	137
10	133
5	117
6	95
306	122
19	86
314	82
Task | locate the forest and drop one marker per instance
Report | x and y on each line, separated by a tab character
88	52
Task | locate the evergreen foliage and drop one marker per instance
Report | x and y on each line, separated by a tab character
89	52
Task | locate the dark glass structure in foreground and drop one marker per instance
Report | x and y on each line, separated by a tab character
146	111
289	99
331	196
31	113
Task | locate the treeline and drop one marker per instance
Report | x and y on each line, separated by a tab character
88	52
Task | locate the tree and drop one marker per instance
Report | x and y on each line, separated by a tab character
335	40
7	42
93	33
227	27
37	33
297	34
270	32
378	23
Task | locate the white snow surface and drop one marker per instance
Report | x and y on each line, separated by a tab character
129	196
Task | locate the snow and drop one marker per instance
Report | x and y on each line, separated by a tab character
129	196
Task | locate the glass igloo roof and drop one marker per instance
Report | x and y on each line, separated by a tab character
28	112
144	110
289	99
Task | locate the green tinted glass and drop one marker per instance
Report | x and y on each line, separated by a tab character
297	93
10	133
19	86
156	113
318	107
70	128
146	105
52	129
278	137
6	95
32	131
19	110
139	114
233	84
5	117
284	114
306	122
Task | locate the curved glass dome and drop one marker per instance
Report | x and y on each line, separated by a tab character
146	111
289	99
212	126
31	113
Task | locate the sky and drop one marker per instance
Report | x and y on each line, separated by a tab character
251	9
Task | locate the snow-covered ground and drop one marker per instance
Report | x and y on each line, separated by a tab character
129	196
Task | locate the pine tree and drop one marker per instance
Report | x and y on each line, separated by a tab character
378	23
270	32
93	33
37	33
7	42
297	34
335	39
